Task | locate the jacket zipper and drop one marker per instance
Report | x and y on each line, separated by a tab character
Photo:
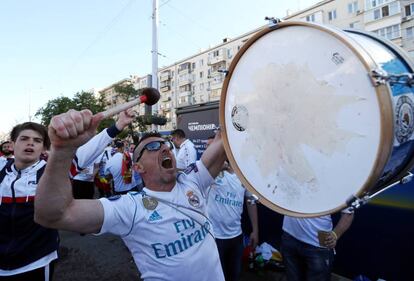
12	214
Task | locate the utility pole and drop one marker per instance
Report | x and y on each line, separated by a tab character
154	81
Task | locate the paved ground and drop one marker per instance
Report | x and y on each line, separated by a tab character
105	258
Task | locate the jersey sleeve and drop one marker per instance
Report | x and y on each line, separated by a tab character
119	215
90	151
199	175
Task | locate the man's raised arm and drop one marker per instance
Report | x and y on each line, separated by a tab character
54	203
214	156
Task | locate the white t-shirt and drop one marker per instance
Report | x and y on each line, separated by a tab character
306	229
114	167
186	155
87	174
225	205
168	243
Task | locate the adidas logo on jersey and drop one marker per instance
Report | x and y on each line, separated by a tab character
155	216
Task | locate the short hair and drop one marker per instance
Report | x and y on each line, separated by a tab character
42	130
179	133
153	134
119	143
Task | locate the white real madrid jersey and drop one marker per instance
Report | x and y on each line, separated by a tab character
225	205
168	233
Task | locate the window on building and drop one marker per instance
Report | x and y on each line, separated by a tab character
229	53
377	14
394	8
385	11
390	32
409	10
310	18
201	74
201	86
193	66
409	32
352	7
201	63
332	15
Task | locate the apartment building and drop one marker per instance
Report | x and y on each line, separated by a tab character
407	26
199	78
111	97
340	13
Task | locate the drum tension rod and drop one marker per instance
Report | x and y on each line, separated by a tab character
273	21
225	71
380	76
354	202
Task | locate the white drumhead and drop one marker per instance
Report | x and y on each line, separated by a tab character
302	119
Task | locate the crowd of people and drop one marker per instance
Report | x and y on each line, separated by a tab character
178	215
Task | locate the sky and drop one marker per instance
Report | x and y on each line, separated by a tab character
52	48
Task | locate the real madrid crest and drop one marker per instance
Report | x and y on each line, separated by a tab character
193	199
404	119
150	203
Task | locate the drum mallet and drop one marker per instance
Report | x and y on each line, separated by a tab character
149	96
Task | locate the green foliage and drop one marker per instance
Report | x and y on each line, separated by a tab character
54	107
82	100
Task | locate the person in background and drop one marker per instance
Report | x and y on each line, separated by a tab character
187	153
308	245
83	186
101	182
226	198
6	151
119	169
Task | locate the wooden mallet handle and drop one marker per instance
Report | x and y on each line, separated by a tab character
149	96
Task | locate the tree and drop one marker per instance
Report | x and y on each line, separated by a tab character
54	107
82	100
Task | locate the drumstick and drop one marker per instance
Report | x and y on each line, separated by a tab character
149	96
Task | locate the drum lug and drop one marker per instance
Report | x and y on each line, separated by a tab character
378	77
272	21
224	71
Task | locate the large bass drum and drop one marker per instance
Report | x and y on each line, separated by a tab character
312	116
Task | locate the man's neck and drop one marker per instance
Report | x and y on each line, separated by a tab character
23	165
161	188
182	141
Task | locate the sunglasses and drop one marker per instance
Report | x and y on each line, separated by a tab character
154	146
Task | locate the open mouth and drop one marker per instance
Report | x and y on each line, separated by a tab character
166	163
29	150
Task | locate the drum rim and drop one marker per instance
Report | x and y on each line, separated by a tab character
384	100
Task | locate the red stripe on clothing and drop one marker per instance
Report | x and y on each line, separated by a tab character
17	199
